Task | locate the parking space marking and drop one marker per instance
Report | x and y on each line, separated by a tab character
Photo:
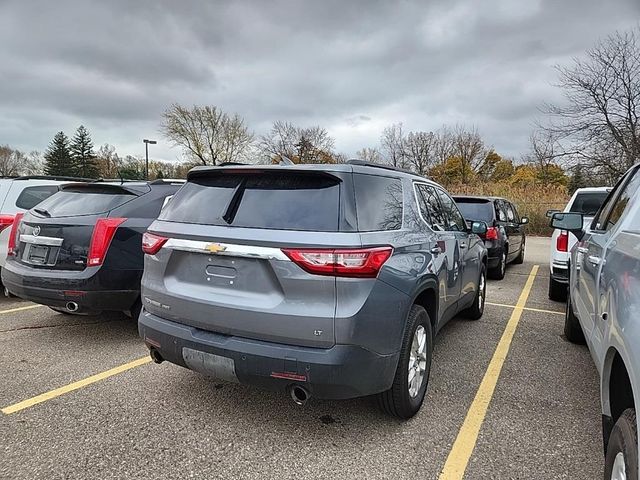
19	309
465	442
30	402
529	309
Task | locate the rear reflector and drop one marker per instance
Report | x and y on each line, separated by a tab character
6	221
152	243
103	233
13	235
360	263
562	242
289	376
492	233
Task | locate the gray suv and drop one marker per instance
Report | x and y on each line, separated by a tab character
324	280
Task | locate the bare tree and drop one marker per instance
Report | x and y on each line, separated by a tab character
369	155
420	150
207	134
393	145
468	147
300	145
597	125
10	161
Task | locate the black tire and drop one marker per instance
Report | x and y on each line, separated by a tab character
61	310
557	291
623	444
475	311
135	310
397	401
572	329
497	273
520	258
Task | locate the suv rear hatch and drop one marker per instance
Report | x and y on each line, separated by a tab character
57	234
224	268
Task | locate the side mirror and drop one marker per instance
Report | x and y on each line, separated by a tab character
570	221
524	220
550	213
479	228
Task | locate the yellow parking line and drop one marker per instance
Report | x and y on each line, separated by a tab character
16	407
530	309
465	442
19	309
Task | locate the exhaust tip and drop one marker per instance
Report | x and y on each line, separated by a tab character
299	394
155	356
72	306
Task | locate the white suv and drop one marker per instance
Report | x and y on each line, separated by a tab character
586	201
20	194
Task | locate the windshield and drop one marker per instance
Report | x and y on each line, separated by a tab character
588	203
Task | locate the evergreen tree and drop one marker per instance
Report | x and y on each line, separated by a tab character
84	158
57	158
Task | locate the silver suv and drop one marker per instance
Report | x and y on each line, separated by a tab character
324	280
602	309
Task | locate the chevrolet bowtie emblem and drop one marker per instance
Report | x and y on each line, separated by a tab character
215	248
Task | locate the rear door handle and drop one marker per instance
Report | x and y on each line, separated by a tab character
436	250
595	260
583	249
463	245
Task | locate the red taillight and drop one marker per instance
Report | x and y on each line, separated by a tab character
6	221
13	235
103	233
492	233
562	242
361	263
151	243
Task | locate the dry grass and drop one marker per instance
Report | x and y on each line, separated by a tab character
531	201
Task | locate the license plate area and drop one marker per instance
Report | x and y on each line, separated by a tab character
40	254
209	364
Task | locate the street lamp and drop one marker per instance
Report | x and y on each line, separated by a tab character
146	154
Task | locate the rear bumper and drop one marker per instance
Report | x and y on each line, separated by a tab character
494	255
560	272
339	372
57	289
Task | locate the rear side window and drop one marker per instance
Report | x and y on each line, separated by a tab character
430	207
378	202
475	209
32	196
281	201
67	203
501	211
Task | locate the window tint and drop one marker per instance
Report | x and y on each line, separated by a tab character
473	209
455	220
378	202
68	203
434	215
500	211
588	203
32	196
626	194
275	200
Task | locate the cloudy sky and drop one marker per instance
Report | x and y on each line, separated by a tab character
352	67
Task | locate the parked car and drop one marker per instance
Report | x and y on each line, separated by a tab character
20	194
505	238
79	250
586	201
324	280
602	309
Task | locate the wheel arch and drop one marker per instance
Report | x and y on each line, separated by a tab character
427	297
617	391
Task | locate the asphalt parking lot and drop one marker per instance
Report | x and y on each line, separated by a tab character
141	420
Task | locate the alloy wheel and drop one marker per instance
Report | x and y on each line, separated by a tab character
417	361
619	472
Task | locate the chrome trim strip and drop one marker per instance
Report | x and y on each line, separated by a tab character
51	241
227	249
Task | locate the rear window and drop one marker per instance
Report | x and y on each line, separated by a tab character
588	203
67	203
32	196
479	210
378	203
277	200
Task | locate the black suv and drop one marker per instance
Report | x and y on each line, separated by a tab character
505	238
79	251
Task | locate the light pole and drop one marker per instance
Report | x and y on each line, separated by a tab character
146	154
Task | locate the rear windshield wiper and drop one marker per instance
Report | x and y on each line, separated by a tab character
42	212
234	203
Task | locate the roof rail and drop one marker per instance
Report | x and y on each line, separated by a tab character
230	164
58	178
363	163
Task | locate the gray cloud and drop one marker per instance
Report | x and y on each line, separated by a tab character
353	67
